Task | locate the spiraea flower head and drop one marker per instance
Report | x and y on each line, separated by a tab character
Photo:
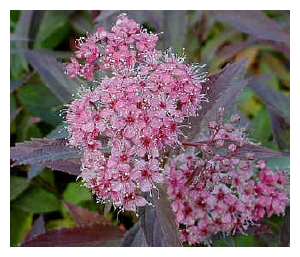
221	188
133	114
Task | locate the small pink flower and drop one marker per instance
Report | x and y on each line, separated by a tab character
87	49
222	186
146	174
73	68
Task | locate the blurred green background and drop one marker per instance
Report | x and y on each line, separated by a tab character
41	41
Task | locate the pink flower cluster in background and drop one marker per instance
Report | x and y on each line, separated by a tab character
222	188
133	114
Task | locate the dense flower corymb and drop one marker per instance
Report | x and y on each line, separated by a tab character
220	188
129	118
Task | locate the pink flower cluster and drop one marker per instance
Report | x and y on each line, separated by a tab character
221	189
133	114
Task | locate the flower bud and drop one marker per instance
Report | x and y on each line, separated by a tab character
220	112
212	124
232	147
235	118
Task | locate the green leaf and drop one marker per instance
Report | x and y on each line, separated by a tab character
41	102
219	243
25	126
244	241
14	111
14	16
37	200
54	28
263	128
17	186
60	223
76	192
47	175
20	223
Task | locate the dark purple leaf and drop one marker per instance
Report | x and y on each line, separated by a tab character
153	17
253	22
83	216
22	28
175	27
41	150
59	132
233	49
105	14
71	166
107	207
222	91
274	99
158	221
151	227
134	237
222	83
86	235
226	100
52	73
166	217
26	147
281	129
229	51
284	234
34	170
16	37
53	153
38	228
276	45
82	22
196	17
260	152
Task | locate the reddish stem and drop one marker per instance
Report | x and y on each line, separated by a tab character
190	144
94	105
